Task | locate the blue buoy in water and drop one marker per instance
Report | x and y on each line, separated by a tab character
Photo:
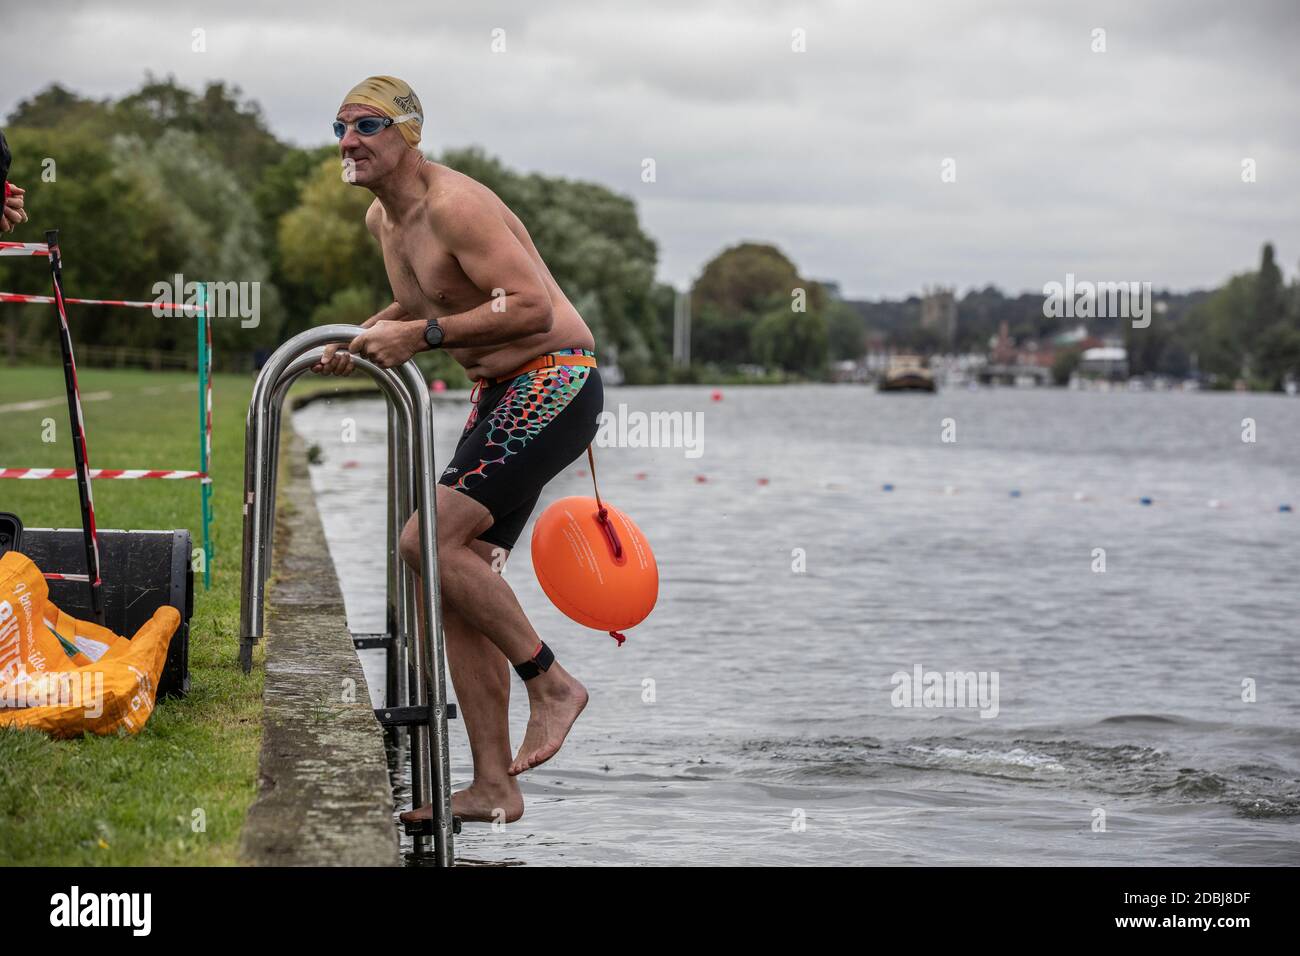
1284	507
1144	500
1015	492
886	487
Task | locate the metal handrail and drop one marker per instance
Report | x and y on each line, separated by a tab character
400	613
412	453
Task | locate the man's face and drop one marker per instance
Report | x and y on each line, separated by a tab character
369	158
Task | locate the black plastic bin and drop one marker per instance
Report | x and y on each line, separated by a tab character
141	571
11	533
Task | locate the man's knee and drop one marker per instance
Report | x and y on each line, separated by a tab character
460	520
408	545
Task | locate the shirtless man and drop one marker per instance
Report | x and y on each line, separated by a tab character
467	278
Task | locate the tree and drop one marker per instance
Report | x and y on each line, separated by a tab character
745	278
232	129
1270	302
846	331
1067	360
1217	326
325	246
792	341
1279	356
58	108
737	290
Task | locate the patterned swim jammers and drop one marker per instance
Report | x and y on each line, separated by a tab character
521	433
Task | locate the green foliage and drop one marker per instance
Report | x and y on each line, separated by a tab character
1218	327
744	312
130	216
746	278
347	307
324	244
1067	360
1270	303
846	333
1279	356
792	341
233	131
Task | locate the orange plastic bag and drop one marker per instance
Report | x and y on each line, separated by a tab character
68	677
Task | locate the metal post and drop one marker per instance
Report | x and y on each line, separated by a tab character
394	576
205	430
80	453
407	392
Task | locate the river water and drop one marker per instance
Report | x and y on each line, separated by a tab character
826	539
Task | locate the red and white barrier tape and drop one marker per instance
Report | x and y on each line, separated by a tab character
24	249
47	300
171	474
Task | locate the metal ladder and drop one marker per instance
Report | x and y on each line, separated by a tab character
415	689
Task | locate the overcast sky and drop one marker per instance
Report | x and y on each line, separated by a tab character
1116	165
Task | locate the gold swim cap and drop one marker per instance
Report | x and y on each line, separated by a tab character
393	98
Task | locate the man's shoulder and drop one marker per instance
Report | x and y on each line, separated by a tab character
374	215
456	200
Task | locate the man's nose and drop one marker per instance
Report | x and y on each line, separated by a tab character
351	138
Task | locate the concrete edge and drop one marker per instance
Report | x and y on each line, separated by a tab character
324	796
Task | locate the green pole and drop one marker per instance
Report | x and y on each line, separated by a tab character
205	398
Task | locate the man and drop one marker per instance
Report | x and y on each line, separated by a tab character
12	213
467	278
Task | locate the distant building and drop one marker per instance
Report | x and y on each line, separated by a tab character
1002	351
1109	362
939	312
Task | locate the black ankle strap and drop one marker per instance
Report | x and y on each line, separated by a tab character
541	661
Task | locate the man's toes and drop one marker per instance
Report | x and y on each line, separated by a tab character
415	815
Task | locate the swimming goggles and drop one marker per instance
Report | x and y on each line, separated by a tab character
370	125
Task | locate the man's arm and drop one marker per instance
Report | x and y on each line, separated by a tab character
497	263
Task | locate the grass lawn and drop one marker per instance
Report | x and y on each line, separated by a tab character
133	801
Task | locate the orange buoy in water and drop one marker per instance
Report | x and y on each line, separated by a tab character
595	564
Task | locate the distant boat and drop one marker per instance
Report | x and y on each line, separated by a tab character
906	374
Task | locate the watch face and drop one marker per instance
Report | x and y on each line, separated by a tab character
433	334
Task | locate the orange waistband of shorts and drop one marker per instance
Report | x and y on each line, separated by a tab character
549	360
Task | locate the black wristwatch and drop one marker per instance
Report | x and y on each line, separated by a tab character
433	334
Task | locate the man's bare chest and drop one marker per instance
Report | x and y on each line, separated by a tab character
425	274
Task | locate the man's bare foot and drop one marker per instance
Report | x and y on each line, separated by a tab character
478	803
555	700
